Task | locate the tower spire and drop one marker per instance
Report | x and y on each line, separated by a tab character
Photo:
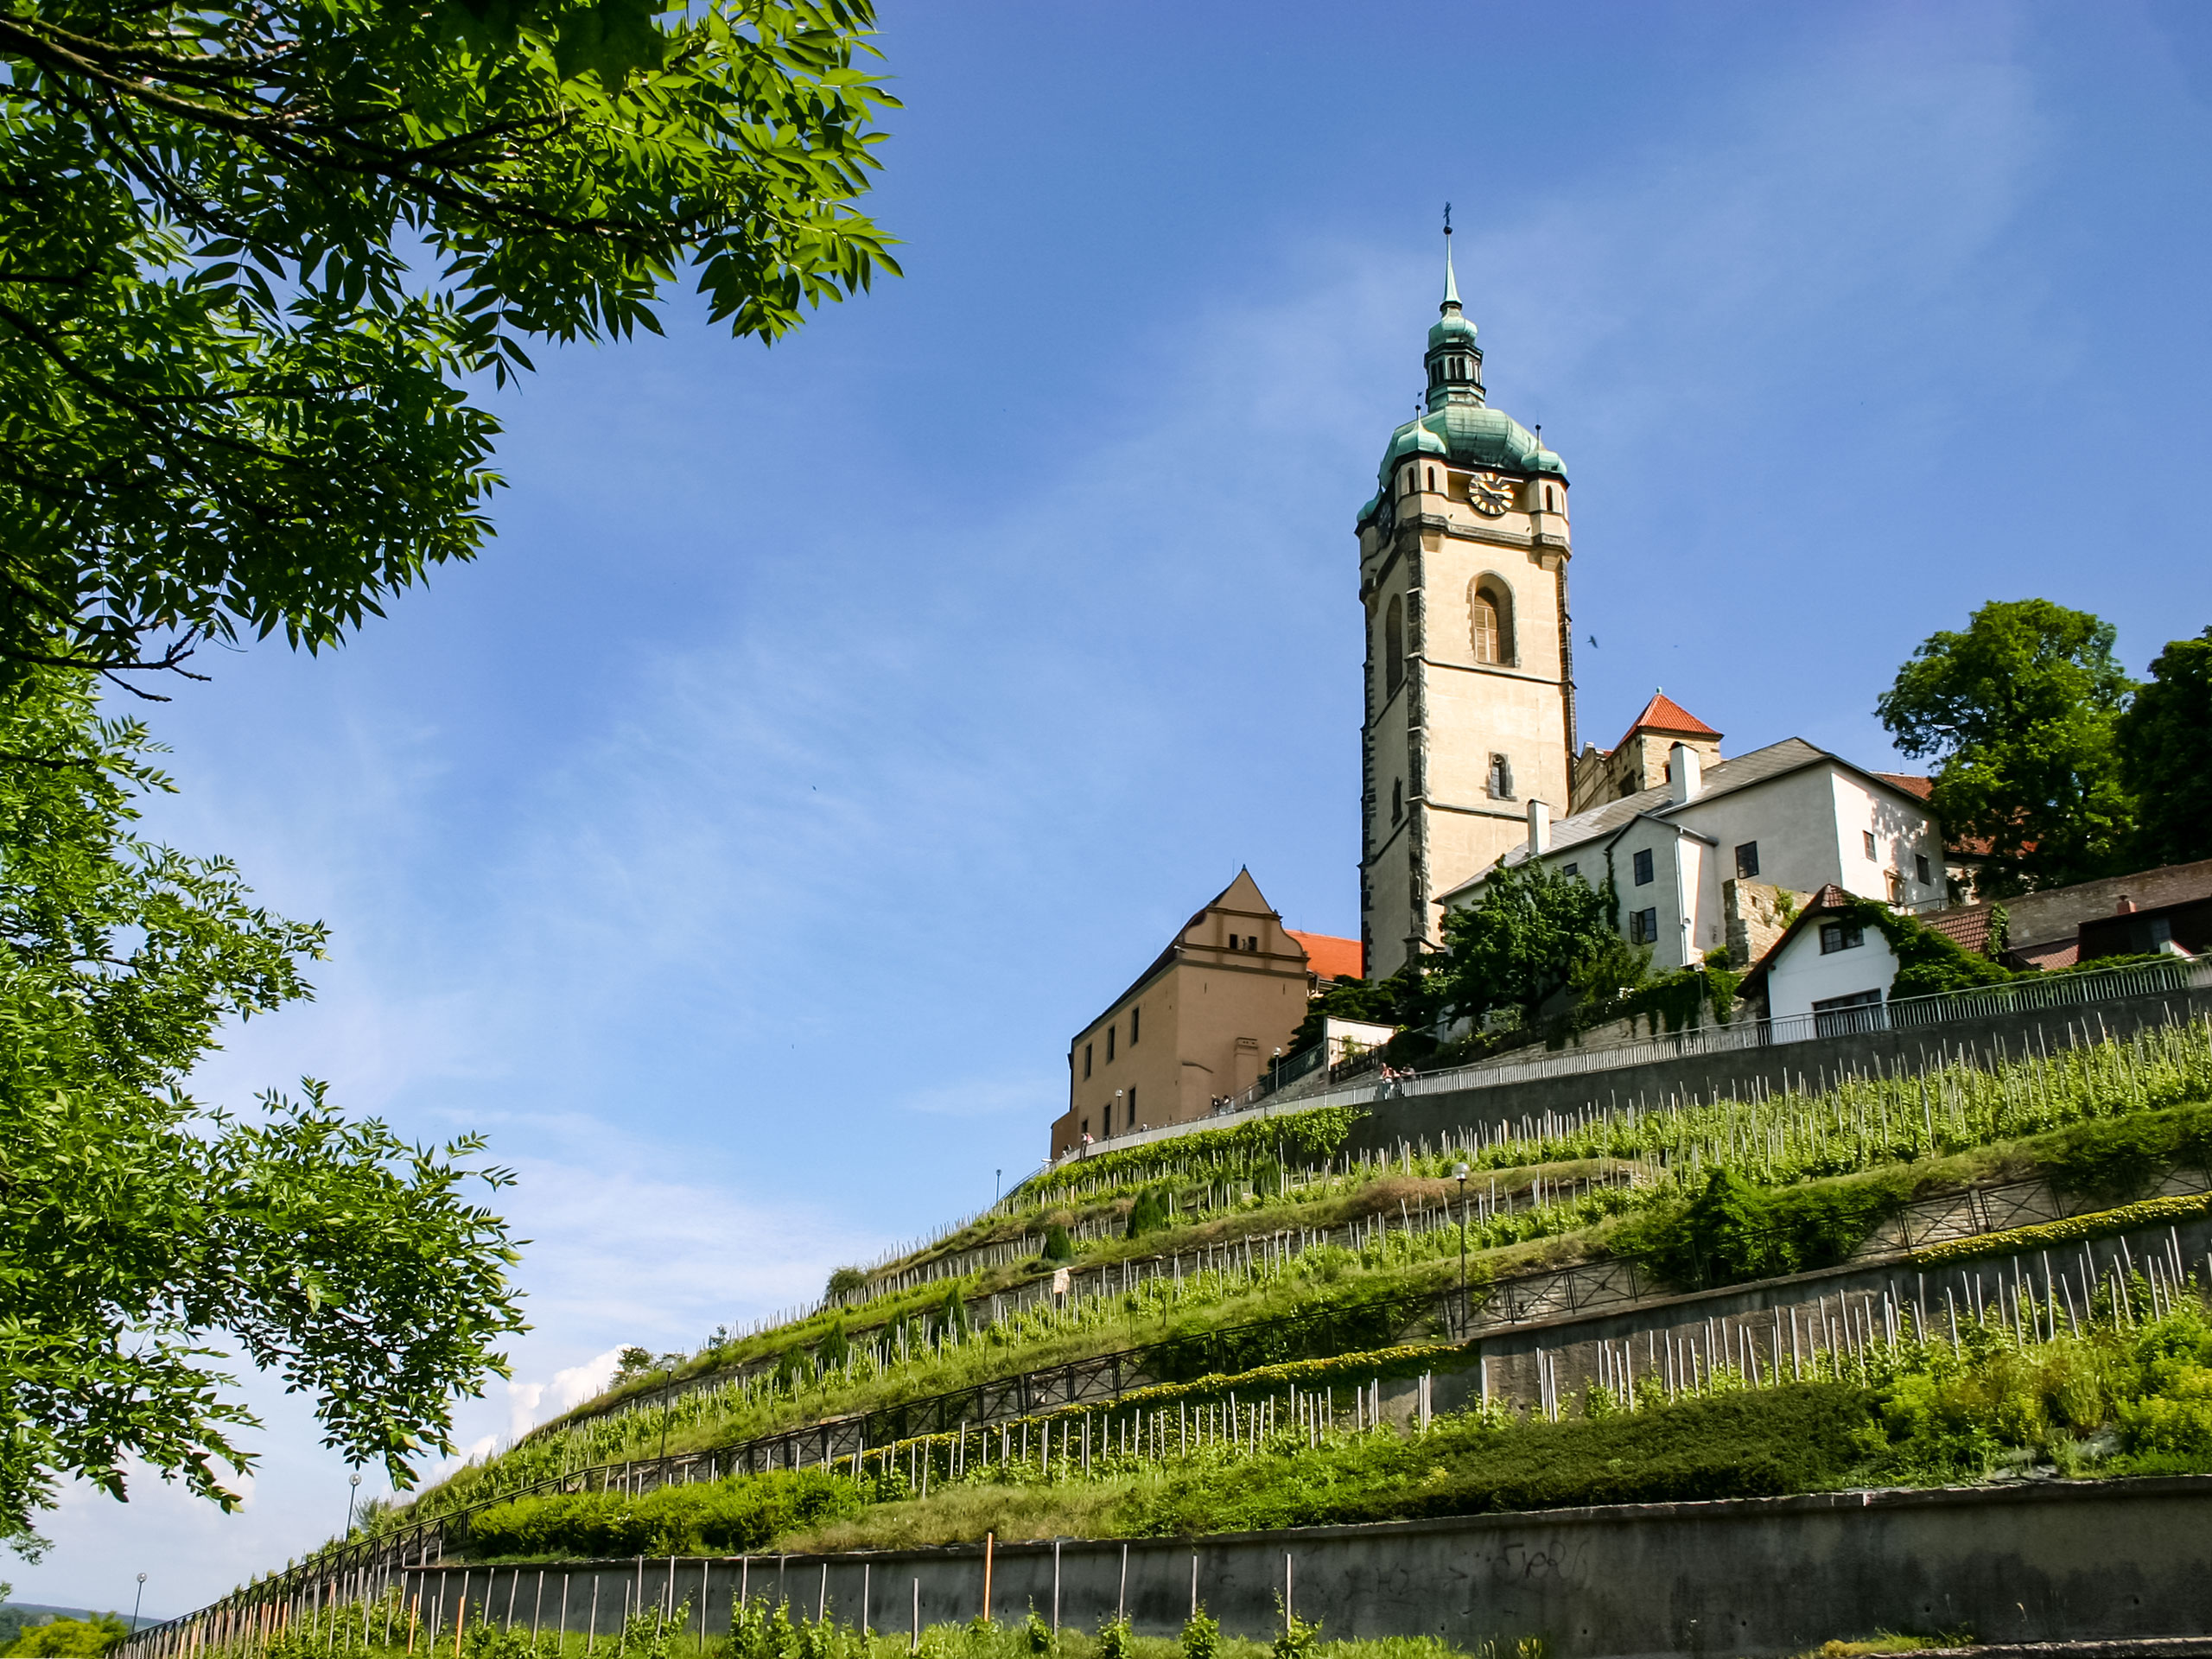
1451	282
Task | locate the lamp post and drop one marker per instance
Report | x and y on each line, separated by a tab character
1459	1174
137	1603
353	1491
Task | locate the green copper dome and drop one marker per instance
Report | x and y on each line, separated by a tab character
1471	435
1459	427
1451	327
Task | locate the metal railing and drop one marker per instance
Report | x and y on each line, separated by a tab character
2038	995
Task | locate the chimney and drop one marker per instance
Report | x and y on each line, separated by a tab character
2126	905
1685	774
1540	829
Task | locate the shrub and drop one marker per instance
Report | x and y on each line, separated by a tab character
1036	1634
72	1638
1147	1215
726	1516
845	1280
1734	1231
1059	1247
1202	1637
1115	1639
1297	1639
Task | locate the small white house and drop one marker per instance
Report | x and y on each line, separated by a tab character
1828	966
1791	815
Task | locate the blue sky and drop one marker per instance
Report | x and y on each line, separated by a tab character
832	730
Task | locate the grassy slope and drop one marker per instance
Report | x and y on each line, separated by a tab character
1865	1127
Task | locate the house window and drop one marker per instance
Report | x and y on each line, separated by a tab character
1490	610
1641	864
1869	838
1570	869
1086	1059
1840	936
1747	859
1394	646
1643	926
1110	1045
1086	1126
1897	885
1840	1016
1501	778
1129	1121
1135	1015
1397	799
1920	870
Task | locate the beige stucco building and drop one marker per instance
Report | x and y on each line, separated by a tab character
1470	710
1201	1023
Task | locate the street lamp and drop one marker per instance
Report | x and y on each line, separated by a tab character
1459	1174
353	1492
137	1603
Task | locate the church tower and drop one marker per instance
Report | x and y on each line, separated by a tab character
1469	721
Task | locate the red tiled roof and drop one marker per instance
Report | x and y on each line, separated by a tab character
2062	953
1968	929
1663	713
1912	783
1330	957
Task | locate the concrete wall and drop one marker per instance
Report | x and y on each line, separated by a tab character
2052	1561
1788	1065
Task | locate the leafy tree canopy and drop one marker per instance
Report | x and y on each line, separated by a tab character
2165	755
254	249
1524	940
71	1639
2020	710
1400	1000
146	1240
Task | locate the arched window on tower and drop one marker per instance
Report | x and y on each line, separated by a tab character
1397	799
1490	607
1393	647
1432	480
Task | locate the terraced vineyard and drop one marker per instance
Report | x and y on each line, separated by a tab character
1265	1245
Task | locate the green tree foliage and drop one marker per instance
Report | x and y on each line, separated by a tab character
257	248
845	1280
71	1639
953	1314
139	1229
1148	1214
1059	1247
835	1346
1734	1231
721	1516
2020	711
1524	941
1400	1001
2165	755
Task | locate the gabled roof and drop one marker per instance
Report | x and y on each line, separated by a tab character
1663	713
1250	901
1601	822
1330	957
1829	899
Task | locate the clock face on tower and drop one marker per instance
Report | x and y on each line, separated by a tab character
1489	494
